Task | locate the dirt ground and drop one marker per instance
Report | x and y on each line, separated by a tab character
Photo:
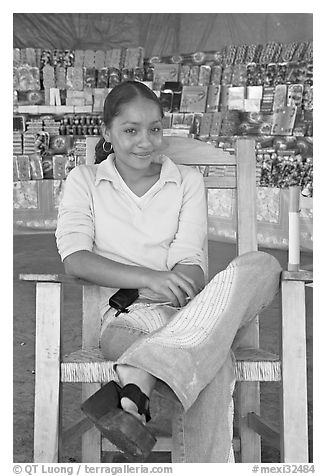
36	253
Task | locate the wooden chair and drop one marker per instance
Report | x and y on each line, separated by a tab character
253	364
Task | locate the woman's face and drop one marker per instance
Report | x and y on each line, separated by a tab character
136	134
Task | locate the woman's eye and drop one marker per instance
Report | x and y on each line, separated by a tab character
130	131
156	129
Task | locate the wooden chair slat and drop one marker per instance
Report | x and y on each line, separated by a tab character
294	417
202	153
213	182
264	429
301	275
47	369
54	278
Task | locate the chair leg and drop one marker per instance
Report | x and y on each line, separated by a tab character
91	439
294	417
47	373
249	401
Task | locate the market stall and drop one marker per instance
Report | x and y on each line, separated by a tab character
239	75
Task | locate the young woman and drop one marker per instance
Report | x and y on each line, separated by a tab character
138	221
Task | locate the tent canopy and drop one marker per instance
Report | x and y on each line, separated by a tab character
159	33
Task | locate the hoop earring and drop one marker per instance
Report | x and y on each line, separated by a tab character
104	149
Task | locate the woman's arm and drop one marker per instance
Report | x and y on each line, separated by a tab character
103	271
192	271
173	286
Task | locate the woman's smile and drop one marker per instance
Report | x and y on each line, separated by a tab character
143	155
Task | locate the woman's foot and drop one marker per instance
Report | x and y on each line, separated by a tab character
144	380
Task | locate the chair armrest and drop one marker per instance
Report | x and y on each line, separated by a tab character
55	278
301	275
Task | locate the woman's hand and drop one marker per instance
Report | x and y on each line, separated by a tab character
171	286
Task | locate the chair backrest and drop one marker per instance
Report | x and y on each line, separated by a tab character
242	180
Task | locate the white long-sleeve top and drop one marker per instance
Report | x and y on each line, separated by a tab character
166	226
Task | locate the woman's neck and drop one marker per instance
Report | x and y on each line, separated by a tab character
134	176
139	182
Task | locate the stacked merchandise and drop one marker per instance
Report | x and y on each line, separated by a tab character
281	161
259	90
265	79
72	77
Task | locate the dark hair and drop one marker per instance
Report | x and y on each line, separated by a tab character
122	94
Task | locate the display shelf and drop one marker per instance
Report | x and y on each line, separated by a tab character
240	85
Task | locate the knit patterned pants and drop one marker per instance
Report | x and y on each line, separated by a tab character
190	352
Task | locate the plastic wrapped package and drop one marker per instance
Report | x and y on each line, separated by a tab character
59	167
24	170
36	166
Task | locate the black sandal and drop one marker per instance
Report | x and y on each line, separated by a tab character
123	429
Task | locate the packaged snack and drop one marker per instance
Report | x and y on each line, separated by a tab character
280	96
193	99
30	97
239	75
194	76
127	74
75	78
240	54
59	167
250	53
79	58
163	73
134	58
47	165
36	166
227	75
90	78
267	99
216	75
60	77
114	77
48	77
204	75
139	74
205	124
166	98
177	119
99	60
60	144
17	143
288	51
283	120
89	59
174	87
236	98
19	124
195	128
15	169
70	163
308	97
216	124
184	74
24	170
224	95
16	57
113	58
230	123
188	119
295	95
27	78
